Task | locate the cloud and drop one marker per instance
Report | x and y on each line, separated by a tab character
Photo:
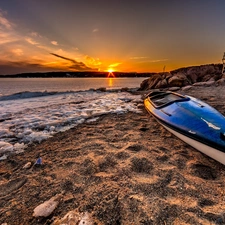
35	34
147	60
31	41
95	30
158	60
18	52
7	37
54	42
92	61
138	57
154	61
115	64
43	47
79	66
4	22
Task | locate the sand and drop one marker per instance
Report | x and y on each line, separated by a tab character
120	169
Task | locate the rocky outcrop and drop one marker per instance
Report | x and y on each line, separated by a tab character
205	75
156	81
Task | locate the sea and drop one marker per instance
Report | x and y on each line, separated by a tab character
34	109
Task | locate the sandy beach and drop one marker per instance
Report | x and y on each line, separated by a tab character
120	169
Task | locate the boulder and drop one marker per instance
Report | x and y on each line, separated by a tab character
207	84
210	83
187	88
199	84
192	77
150	83
220	82
207	77
177	80
162	84
174	89
217	76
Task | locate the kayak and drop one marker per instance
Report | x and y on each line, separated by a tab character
190	119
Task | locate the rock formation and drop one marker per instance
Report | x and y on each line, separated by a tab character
204	75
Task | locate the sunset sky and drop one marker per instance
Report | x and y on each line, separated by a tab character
102	35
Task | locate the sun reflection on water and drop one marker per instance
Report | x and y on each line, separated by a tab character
110	81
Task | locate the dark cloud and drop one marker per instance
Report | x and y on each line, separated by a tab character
79	66
7	68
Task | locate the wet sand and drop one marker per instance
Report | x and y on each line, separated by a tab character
120	169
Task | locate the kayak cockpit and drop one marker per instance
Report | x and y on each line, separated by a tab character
161	99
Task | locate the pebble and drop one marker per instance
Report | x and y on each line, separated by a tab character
27	165
45	209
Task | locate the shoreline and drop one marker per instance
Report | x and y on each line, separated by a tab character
120	169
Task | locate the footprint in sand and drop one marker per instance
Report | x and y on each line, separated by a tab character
162	158
206	202
107	162
141	165
12	185
88	167
204	172
135	148
122	155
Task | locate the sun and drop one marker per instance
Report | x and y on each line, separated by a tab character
110	74
110	70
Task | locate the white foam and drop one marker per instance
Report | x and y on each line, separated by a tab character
35	119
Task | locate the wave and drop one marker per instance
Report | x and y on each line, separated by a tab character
30	94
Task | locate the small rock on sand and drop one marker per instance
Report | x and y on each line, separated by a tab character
45	209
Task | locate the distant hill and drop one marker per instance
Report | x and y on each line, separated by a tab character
75	74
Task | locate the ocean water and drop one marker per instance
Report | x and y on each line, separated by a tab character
32	110
10	86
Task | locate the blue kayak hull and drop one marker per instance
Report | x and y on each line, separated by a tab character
190	119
